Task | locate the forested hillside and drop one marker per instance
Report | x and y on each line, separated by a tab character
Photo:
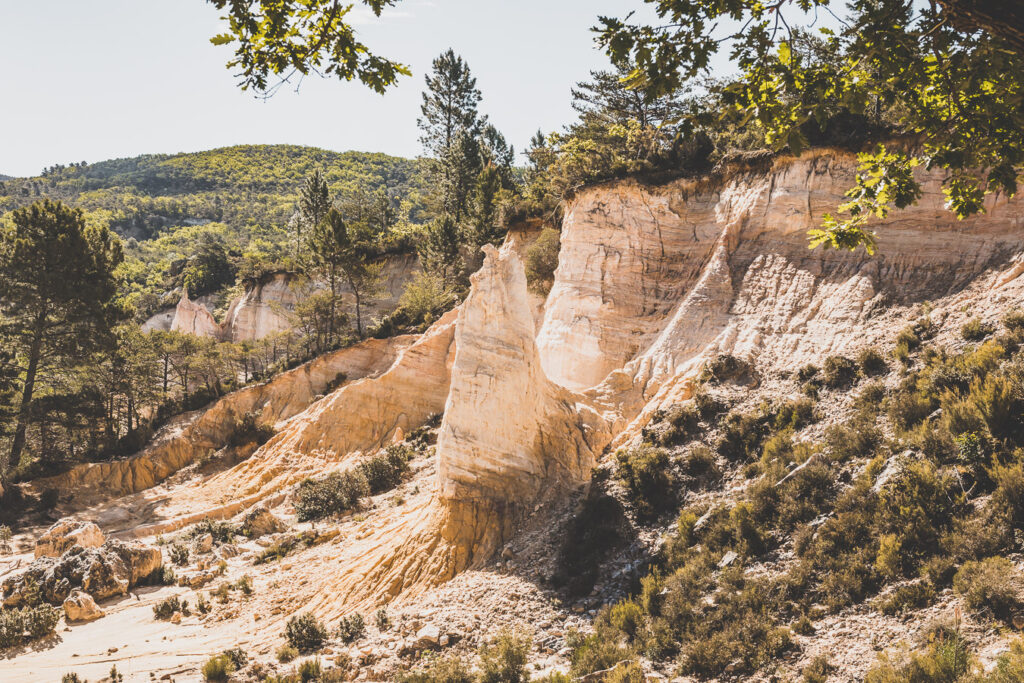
239	186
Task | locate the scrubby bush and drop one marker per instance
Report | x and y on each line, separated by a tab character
858	439
976	330
381	619
330	495
708	406
305	633
907	597
817	671
991	583
678	424
1014	320
38	620
742	435
598	651
448	669
384	472
287	653
166	608
646	472
351	628
179	554
946	660
839	372
871	362
218	668
724	368
222	532
310	670
807	372
503	660
701	463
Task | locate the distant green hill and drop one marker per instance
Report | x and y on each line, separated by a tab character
243	185
172	207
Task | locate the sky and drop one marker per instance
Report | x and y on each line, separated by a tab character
101	79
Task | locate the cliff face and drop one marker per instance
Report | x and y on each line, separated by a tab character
652	281
263	310
507	430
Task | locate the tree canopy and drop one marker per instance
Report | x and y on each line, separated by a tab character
285	38
949	69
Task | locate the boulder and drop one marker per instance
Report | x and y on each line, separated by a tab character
428	638
260	522
79	606
227	551
203	544
101	572
65	534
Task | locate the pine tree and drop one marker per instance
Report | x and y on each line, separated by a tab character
439	249
449	103
56	296
314	203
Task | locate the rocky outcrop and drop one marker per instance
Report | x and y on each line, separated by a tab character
203	432
507	430
66	534
101	572
260	522
193	318
264	309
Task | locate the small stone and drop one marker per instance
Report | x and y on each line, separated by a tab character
203	544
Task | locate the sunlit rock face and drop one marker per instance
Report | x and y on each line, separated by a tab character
507	431
651	280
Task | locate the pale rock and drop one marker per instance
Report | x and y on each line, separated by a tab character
428	637
65	534
80	607
203	544
259	522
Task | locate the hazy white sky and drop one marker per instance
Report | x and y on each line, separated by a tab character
87	80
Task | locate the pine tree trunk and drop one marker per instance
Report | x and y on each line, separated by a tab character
35	351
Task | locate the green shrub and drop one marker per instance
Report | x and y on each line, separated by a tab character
305	633
222	532
872	362
807	372
384	472
627	617
708	406
857	439
946	660
351	628
795	414
991	583
839	372
907	407
287	653
1009	493
166	608
678	424
310	670
448	669
218	668
646	472
71	678
1010	665
724	368
237	656
503	660
742	435
179	554
596	652
381	619
32	622
541	261
330	495
907	597
701	463
817	670
1014	320
976	330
